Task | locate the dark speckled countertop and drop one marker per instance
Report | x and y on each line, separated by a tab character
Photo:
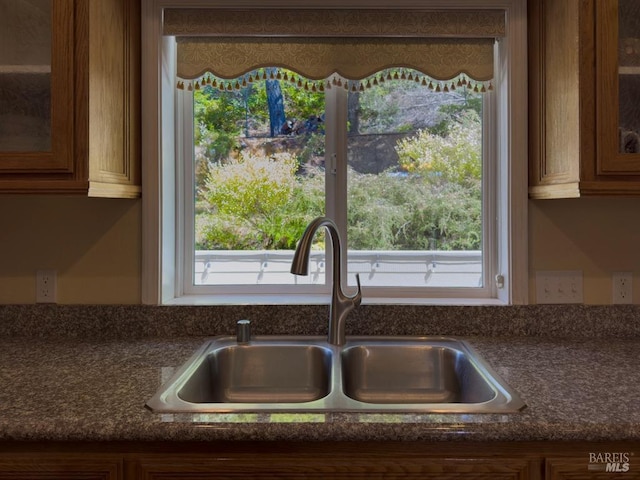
61	387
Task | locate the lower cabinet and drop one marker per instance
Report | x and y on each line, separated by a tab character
594	466
60	466
355	468
321	460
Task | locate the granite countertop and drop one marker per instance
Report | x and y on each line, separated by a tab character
59	389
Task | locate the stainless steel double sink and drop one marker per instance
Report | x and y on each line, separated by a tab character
367	374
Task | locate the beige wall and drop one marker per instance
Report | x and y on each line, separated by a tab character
95	245
596	235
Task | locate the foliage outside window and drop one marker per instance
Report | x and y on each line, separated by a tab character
260	167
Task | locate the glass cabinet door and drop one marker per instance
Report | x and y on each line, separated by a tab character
36	85
25	75
618	86
629	76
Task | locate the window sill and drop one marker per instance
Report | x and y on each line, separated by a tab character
321	300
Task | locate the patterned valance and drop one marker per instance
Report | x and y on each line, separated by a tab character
352	58
315	43
222	22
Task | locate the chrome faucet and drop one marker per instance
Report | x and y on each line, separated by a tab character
341	304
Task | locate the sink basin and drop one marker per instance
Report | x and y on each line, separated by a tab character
392	372
307	374
271	373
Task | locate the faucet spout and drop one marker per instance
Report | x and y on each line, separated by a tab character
341	304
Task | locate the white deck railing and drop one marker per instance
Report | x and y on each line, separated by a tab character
376	268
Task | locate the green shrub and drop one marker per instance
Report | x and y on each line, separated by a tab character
260	203
447	217
408	213
379	205
453	158
257	202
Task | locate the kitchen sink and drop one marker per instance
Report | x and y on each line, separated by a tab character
307	374
393	372
262	373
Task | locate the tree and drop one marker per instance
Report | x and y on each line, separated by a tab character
217	119
353	112
275	102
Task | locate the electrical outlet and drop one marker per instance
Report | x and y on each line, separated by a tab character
46	286
559	287
622	287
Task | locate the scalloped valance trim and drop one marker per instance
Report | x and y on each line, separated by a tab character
351	58
335	81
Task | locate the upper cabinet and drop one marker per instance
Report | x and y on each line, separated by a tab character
618	86
36	85
70	97
584	90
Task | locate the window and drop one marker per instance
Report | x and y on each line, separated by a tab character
324	156
413	176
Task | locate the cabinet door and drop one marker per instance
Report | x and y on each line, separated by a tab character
618	86
249	467
59	467
36	86
581	468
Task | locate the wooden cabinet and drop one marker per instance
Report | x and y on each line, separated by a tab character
218	460
339	465
36	86
70	117
60	467
579	468
583	114
618	86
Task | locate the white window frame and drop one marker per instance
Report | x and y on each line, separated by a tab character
163	207
336	200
